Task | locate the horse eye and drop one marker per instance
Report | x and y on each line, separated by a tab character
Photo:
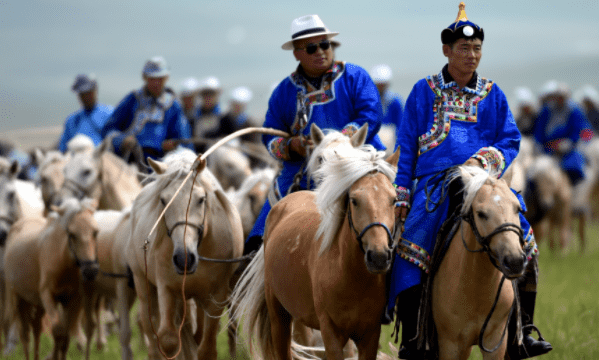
10	196
163	202
96	232
482	215
44	181
354	202
320	159
201	200
86	173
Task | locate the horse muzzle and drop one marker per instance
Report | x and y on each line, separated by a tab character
513	266
3	235
185	262
90	271
378	262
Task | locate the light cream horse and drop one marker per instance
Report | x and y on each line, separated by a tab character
230	166
18	199
101	175
174	256
466	283
50	174
324	260
50	267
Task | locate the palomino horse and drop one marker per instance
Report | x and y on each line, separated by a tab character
200	223
251	195
18	199
101	175
324	260
466	283
50	267
230	166
50	172
548	198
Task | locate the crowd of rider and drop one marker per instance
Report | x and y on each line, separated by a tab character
450	118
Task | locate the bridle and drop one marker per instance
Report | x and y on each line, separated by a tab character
359	235
484	242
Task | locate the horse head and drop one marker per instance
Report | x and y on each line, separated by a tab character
77	220
543	182
10	208
493	212
82	176
51	176
185	218
358	184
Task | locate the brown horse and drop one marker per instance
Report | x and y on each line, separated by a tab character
50	267
324	260
466	283
210	229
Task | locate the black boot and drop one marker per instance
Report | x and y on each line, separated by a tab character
530	347
409	302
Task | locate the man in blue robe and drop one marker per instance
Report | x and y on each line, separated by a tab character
331	94
561	128
451	118
91	119
149	119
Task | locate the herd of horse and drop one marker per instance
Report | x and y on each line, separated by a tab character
94	236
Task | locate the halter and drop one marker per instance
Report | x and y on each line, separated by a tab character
78	262
78	189
366	228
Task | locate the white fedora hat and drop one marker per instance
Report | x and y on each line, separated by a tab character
305	27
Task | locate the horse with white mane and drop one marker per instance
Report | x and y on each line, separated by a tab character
330	275
200	223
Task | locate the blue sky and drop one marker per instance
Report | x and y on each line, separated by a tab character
46	43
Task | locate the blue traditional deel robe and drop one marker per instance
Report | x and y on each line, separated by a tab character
392	104
86	122
553	127
444	126
346	100
151	120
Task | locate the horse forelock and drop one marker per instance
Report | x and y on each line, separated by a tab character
51	158
335	177
473	178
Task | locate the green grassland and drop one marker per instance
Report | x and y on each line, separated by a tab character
567	310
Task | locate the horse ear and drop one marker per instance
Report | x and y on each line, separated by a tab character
465	175
508	174
157	166
316	134
15	168
38	156
393	159
359	138
100	149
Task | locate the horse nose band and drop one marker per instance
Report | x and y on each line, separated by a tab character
366	228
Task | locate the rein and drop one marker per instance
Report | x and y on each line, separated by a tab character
366	228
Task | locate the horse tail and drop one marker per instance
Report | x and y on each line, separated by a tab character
248	301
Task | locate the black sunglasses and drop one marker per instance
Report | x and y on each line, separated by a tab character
311	48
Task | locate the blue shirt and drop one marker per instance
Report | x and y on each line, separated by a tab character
150	120
86	122
392	108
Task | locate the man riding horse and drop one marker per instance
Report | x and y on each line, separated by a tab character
451	118
331	94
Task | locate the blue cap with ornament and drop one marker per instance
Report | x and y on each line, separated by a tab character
461	28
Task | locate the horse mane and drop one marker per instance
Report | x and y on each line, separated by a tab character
265	175
473	178
335	177
69	208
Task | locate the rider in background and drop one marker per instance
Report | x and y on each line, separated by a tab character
562	128
206	118
331	94
526	113
451	118
150	118
588	98
189	95
392	103
91	118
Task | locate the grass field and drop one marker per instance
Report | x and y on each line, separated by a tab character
567	310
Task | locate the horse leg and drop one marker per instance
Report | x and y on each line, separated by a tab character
101	337
122	295
167	332
368	345
232	326
452	349
581	231
12	339
144	295
24	311
213	310
200	328
280	327
333	342
37	332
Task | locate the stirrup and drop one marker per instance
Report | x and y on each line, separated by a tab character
543	346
